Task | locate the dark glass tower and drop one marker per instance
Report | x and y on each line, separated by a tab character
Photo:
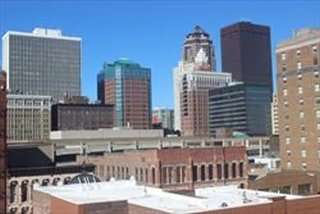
246	53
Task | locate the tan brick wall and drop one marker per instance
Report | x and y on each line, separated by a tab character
41	203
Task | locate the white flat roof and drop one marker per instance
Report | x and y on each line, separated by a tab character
205	198
43	33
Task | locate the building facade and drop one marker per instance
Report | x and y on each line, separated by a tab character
299	100
193	77
43	62
275	115
81	116
28	118
164	117
3	142
175	169
127	86
240	107
246	53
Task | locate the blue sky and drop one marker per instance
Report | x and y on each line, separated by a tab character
150	32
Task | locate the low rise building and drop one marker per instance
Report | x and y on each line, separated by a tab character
126	197
74	116
28	118
175	169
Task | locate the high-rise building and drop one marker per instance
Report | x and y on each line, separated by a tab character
240	107
246	53
43	62
299	100
3	143
164	117
193	77
127	86
275	115
29	118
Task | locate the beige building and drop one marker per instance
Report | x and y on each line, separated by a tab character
275	115
299	100
193	77
28	118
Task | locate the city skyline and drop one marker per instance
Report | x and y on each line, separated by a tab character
160	49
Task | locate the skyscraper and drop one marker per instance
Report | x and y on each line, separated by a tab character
299	100
193	77
246	53
3	143
43	62
127	86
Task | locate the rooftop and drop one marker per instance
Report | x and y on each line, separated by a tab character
205	199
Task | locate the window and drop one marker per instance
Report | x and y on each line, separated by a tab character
287	128
288	152
234	170
316	87
304	166
298	53
318	139
241	170
303	153
300	90
219	171
203	172
318	126
299	65
283	56
284	79
194	173
153	175
314	48
289	164
287	140
318	113
301	114
286	104
304	189
318	154
226	171
210	171
285	92
302	140
301	101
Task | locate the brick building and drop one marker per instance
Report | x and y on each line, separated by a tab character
175	169
81	116
125	197
299	100
127	85
3	142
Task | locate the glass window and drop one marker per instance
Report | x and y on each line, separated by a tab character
303	153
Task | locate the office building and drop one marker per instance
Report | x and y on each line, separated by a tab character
127	86
175	169
28	118
240	107
163	117
299	100
193	77
43	62
246	53
3	142
275	115
81	116
126	197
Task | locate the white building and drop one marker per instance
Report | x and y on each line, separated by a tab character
164	116
43	62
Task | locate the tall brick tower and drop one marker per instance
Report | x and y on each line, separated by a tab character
3	143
